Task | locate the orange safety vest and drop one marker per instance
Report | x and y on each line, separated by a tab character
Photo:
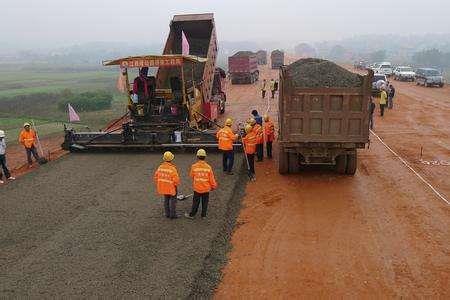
202	176
226	137
258	130
250	142
27	138
166	179
269	131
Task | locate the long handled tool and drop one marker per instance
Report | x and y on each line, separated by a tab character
202	115
181	197
42	160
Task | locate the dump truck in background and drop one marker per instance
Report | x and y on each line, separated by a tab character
243	67
277	58
323	115
261	56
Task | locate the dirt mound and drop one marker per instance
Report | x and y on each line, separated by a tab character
244	53
315	73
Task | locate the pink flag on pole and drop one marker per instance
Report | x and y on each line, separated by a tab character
73	116
184	44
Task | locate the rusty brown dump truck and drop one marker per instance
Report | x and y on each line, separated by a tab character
323	115
261	56
277	58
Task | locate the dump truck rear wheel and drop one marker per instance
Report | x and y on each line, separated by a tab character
293	163
283	161
341	164
351	164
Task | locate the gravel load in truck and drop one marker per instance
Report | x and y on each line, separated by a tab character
315	73
243	53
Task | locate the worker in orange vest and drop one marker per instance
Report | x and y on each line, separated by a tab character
203	181
226	138
259	139
167	180
249	143
27	138
269	133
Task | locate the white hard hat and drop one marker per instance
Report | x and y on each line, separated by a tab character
2	134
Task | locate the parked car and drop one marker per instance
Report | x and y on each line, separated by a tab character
384	68
360	65
373	66
404	73
378	80
429	77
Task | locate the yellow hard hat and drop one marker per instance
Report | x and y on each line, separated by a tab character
201	153
266	118
252	121
26	124
248	128
168	156
228	122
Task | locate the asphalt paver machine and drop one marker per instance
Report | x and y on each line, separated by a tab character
183	101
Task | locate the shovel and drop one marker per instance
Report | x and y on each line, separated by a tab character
181	197
42	160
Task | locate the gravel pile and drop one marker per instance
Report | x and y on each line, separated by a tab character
90	225
243	53
316	73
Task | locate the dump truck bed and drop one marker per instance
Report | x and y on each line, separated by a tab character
200	32
277	59
323	117
330	115
242	63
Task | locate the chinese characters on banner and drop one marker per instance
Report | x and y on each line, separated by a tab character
149	62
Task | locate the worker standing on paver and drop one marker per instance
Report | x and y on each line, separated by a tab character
272	87
257	117
203	181
249	142
167	180
3	159
383	101
258	130
27	138
226	137
391	95
269	135
263	88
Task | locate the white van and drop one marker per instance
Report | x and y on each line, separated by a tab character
384	68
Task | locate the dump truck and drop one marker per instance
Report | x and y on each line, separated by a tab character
277	58
323	116
243	67
175	108
261	56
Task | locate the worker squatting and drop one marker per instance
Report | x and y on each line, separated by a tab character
167	179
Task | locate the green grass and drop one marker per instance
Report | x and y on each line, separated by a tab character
42	79
27	82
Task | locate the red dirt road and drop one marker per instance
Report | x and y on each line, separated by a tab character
381	233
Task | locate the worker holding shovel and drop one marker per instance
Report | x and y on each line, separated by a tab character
167	180
27	138
203	181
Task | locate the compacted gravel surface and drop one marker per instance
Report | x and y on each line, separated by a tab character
92	225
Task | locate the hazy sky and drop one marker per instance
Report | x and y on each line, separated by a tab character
58	22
